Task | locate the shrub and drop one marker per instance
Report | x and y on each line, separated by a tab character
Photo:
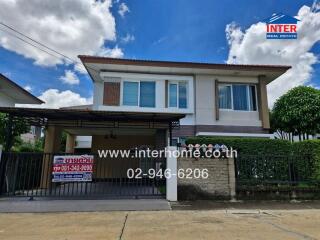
271	161
308	153
308	147
29	147
249	146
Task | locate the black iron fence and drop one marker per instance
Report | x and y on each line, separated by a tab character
276	171
31	174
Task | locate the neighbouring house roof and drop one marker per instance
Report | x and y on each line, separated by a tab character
95	65
17	93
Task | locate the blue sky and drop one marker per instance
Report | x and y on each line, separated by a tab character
179	30
192	30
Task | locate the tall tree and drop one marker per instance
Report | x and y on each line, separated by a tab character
297	112
10	129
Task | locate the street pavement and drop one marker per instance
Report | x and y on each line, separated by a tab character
231	223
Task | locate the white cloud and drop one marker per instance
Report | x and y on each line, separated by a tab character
70	78
160	40
53	98
128	38
28	88
115	52
79	68
71	27
252	47
123	9
315	6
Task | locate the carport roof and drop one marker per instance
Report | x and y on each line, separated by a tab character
90	115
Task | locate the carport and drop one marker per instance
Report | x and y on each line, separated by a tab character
30	174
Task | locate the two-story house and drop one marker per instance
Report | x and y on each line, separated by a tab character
217	99
138	104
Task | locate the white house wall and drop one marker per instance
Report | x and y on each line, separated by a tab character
160	92
201	101
205	103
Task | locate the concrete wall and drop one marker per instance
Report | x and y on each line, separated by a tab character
220	183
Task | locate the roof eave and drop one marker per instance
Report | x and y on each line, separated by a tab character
120	61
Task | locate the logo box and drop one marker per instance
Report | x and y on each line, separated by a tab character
281	26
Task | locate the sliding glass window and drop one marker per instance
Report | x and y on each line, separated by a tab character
130	93
147	94
182	95
225	97
141	93
238	97
178	95
173	95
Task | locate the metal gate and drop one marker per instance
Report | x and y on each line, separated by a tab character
30	175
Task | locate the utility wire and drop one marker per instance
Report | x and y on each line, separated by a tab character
41	44
10	33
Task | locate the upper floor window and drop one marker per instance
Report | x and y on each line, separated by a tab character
238	97
139	93
178	94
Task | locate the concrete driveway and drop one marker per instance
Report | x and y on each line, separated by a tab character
209	224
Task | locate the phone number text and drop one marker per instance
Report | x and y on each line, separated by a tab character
188	173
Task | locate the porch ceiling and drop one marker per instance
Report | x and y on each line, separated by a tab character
111	131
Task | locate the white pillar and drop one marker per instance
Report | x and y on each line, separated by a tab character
0	151
172	182
232	179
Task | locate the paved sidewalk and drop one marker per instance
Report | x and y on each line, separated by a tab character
44	206
263	205
156	225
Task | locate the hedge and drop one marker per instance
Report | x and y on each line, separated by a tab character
262	161
250	146
310	148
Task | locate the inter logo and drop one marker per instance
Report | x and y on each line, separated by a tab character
281	26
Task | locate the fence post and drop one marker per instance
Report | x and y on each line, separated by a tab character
232	178
172	182
2	171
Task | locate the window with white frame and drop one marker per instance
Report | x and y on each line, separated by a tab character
178	95
238	97
139	93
